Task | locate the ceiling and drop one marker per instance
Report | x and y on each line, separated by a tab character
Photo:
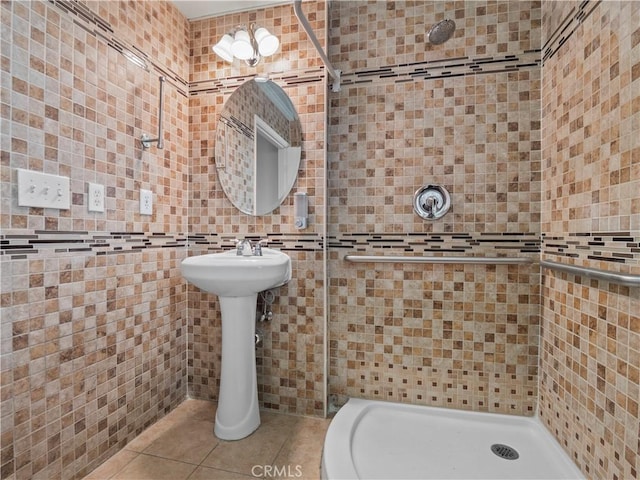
193	9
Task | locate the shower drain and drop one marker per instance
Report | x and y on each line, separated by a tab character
505	451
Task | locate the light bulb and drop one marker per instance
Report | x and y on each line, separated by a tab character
223	48
241	46
267	43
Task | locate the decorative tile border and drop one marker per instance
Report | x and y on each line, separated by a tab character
615	247
464	243
445	68
229	84
441	68
97	26
576	16
214	242
21	246
237	125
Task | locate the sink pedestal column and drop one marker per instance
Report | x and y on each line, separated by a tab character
238	415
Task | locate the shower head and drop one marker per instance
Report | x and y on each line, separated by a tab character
441	31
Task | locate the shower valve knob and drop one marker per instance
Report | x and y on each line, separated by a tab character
431	202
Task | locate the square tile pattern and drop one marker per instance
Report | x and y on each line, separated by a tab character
590	331
412	114
529	114
182	446
290	362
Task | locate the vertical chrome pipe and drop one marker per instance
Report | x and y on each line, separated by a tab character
145	140
161	114
335	74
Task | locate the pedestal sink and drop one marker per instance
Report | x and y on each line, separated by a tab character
237	280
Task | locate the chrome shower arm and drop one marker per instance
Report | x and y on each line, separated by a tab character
145	140
335	74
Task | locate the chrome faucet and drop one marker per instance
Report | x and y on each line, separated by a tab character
244	248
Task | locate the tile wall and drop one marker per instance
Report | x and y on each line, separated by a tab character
95	342
291	361
465	114
94	333
590	348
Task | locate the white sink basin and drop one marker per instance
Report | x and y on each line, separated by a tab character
228	274
237	280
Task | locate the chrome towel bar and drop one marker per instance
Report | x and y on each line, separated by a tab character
145	140
431	259
627	279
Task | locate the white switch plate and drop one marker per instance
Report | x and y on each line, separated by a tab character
96	197
43	190
146	202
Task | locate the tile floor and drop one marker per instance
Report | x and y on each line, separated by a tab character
181	446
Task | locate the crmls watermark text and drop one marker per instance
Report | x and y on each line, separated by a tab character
279	471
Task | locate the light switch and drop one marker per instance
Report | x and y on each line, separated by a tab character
43	190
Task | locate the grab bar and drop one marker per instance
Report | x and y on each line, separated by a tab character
450	260
145	140
335	74
627	279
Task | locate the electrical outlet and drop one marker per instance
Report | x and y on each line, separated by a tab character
146	202
44	190
96	197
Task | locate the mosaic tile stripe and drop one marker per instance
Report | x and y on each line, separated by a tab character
25	245
445	68
464	243
94	25
571	23
229	84
237	125
614	247
214	242
83	12
22	245
100	28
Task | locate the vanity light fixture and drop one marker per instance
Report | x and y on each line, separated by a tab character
248	44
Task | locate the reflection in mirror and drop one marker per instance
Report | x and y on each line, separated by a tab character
258	147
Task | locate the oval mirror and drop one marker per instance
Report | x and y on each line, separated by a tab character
258	147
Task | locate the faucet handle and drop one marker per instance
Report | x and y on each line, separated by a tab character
257	249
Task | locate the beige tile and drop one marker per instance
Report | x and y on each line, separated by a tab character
302	452
192	409
187	441
277	422
258	449
204	473
148	467
150	435
294	470
112	466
